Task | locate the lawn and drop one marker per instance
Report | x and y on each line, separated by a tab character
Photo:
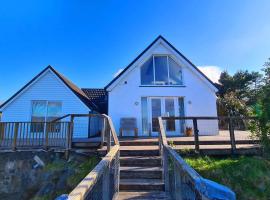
248	177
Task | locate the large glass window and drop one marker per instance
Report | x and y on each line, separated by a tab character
147	73
161	70
175	75
44	111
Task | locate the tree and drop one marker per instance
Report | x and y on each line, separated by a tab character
238	92
261	128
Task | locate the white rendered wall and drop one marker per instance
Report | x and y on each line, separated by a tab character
125	97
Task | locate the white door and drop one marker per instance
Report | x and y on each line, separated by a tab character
164	106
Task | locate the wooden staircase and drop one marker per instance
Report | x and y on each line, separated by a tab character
141	173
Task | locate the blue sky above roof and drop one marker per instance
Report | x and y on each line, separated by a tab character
89	41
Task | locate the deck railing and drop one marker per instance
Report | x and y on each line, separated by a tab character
181	180
103	181
231	132
31	135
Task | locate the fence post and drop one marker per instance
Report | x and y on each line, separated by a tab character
232	137
15	136
47	136
196	134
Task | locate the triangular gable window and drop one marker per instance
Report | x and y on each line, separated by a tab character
161	70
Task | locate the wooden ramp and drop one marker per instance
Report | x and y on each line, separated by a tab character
141	174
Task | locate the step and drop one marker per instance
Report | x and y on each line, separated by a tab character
85	145
139	151
140	173
141	161
149	195
141	184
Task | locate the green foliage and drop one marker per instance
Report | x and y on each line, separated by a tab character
81	171
237	92
248	177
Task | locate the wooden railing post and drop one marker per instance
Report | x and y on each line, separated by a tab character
196	135
46	146
69	135
108	135
103	131
106	184
164	154
15	136
232	136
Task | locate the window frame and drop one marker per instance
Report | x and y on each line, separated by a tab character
168	72
47	103
33	128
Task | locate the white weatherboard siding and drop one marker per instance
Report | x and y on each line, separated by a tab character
47	87
125	97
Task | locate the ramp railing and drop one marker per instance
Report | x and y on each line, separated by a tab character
103	181
182	181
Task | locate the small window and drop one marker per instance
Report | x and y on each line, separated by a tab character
161	70
44	111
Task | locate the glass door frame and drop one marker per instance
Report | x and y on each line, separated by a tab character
177	131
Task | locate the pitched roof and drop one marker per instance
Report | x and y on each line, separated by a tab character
178	52
77	91
99	97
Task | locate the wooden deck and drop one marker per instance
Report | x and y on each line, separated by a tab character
209	145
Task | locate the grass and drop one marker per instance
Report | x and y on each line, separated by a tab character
248	177
81	171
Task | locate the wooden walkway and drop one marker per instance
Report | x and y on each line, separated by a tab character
209	145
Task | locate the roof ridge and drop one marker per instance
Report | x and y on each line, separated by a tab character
146	49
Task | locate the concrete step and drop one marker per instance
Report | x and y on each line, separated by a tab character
149	195
140	172
141	184
141	161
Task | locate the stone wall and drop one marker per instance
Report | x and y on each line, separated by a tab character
21	179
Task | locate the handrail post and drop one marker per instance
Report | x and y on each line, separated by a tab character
166	174
196	134
15	136
108	136
103	131
106	183
164	155
232	136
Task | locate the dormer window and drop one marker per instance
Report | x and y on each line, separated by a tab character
161	70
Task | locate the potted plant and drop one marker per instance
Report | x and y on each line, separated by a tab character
189	131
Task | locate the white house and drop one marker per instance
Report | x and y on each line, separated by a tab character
159	82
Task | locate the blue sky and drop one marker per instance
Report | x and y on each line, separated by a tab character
89	41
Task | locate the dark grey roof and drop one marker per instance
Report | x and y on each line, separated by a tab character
159	37
99	97
77	91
